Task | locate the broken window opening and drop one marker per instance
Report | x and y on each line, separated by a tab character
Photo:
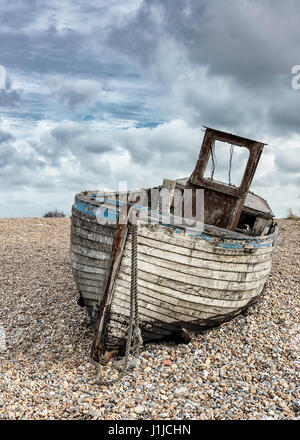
227	163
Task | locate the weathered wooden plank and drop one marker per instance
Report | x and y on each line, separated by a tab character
200	262
84	284
86	222
149	313
186	300
168	314
198	271
88	275
87	261
179	286
91	245
237	257
90	253
169	236
92	296
182	290
158	326
91	238
148	269
92	217
88	288
118	324
88	269
89	282
161	305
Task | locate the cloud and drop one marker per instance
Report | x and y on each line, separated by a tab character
247	40
288	161
77	94
73	156
79	139
5	137
222	64
9	96
174	142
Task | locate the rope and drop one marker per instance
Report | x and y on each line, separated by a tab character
230	164
213	159
134	338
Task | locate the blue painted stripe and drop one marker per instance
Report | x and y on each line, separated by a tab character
84	207
111	215
96	211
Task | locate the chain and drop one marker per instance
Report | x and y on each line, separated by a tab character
134	338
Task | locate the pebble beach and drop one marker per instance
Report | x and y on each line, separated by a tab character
247	368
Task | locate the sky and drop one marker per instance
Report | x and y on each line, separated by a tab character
106	91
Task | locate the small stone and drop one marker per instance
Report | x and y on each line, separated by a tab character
180	391
139	409
164	415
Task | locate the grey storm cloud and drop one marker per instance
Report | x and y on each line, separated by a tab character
78	139
5	137
7	151
77	94
9	96
16	165
7	154
289	162
247	40
35	42
248	46
46	51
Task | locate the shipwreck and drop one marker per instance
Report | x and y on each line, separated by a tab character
187	278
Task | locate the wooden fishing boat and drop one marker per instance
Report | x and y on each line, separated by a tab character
187	279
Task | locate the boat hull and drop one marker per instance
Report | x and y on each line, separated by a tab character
185	280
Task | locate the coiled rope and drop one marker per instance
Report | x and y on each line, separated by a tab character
134	337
